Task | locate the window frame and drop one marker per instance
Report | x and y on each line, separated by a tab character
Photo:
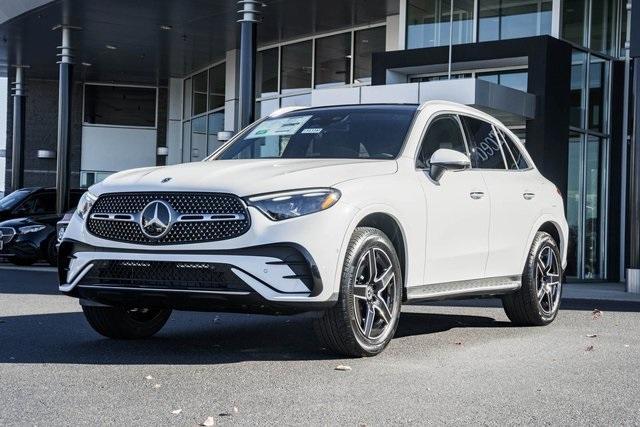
425	129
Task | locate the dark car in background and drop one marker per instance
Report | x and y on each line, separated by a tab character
28	222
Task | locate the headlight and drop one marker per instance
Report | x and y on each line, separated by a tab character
85	204
61	231
31	229
291	204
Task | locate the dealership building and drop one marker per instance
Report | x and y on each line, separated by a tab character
95	87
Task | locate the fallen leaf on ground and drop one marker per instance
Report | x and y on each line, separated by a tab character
458	343
176	411
208	422
589	348
343	368
596	314
592	336
148	377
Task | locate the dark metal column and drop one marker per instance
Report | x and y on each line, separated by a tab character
633	220
65	87
248	19
17	145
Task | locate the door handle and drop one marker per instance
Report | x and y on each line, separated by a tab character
476	195
528	196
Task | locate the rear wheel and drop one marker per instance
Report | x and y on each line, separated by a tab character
121	323
366	315
52	251
538	300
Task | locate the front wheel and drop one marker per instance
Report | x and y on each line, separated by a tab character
121	323
366	315
538	300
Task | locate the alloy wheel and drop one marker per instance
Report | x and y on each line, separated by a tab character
374	294
548	280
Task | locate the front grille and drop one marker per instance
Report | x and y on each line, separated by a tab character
115	207
7	234
164	275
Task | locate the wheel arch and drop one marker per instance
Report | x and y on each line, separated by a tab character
391	227
549	225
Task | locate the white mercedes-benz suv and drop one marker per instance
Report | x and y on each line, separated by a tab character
348	211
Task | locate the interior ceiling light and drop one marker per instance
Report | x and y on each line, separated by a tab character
166	27
110	47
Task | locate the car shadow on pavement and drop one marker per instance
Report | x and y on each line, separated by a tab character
37	282
191	339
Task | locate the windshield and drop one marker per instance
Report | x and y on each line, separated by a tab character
12	200
362	132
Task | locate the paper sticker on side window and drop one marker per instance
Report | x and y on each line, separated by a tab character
311	130
278	127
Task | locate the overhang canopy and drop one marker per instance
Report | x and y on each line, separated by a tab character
157	39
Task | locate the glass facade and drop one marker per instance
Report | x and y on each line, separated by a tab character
510	19
430	23
589	142
596	24
202	112
286	74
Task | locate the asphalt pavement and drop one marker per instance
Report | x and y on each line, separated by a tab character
454	363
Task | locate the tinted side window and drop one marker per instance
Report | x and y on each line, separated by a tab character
443	132
44	203
510	148
484	144
507	149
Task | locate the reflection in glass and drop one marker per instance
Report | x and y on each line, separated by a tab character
514	79
440	77
186	109
215	124
199	93
574	204
593	201
429	22
577	94
296	66
216	86
296	101
366	42
333	60
509	19
603	25
598	75
186	141
198	138
267	73
574	13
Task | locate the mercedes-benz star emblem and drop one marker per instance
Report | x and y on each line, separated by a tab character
156	219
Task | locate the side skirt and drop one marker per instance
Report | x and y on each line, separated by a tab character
465	288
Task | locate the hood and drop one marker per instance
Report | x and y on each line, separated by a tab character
246	177
18	222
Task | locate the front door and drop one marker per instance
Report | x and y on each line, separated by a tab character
458	208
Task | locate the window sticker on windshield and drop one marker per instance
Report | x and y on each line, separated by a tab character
277	127
311	130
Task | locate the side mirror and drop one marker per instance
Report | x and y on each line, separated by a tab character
224	135
444	159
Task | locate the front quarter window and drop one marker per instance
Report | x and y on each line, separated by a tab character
363	132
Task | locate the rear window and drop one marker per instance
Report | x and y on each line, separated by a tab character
362	132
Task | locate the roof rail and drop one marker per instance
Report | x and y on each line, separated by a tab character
283	110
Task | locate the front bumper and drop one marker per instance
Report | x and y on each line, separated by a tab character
268	278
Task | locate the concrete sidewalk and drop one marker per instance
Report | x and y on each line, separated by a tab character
598	291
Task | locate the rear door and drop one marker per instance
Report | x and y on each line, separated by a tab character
457	210
512	185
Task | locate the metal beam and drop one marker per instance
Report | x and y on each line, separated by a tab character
17	145
65	87
249	14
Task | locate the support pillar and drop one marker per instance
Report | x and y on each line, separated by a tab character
17	145
248	21
65	87
633	267
633	205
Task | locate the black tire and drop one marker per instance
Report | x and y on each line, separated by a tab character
52	251
342	327
526	307
22	261
120	323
